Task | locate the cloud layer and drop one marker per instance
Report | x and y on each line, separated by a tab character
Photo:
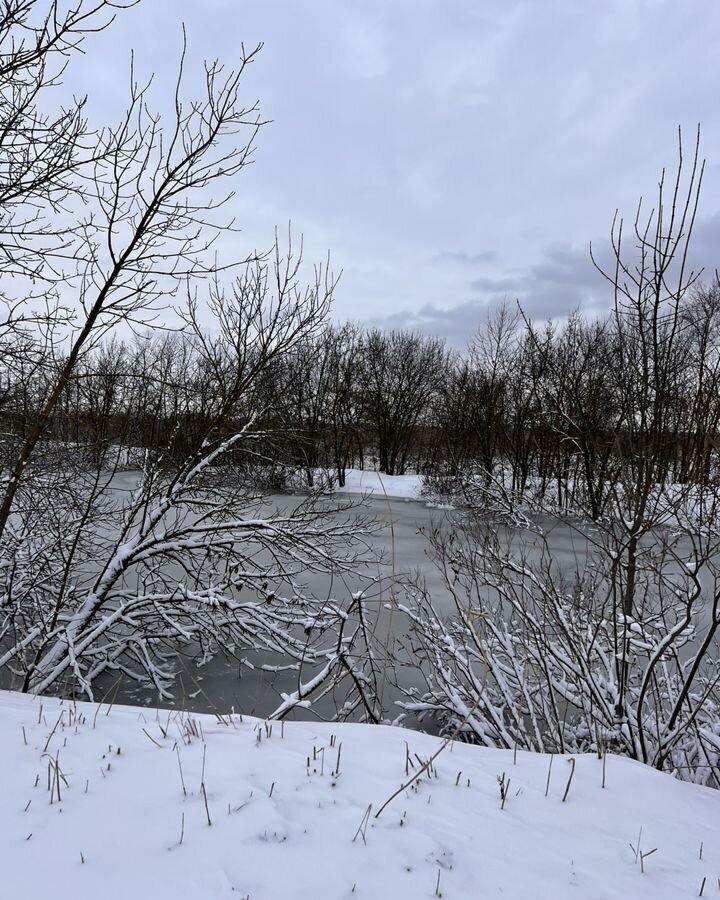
449	155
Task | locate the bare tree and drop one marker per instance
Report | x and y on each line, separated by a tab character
622	654
192	557
402	372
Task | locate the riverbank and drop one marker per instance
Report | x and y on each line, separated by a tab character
377	484
124	802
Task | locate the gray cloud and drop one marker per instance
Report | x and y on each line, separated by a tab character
562	270
457	324
564	279
469	259
705	247
488	284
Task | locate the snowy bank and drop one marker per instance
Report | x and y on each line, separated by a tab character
397	487
117	803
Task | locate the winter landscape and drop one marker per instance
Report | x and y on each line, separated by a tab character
329	587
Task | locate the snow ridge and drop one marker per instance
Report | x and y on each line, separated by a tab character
130	803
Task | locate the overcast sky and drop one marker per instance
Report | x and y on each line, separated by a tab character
450	154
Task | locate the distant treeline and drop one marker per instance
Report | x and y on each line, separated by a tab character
568	404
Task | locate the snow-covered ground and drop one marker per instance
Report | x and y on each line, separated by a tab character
403	487
117	803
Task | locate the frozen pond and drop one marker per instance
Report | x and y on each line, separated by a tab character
403	551
403	546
